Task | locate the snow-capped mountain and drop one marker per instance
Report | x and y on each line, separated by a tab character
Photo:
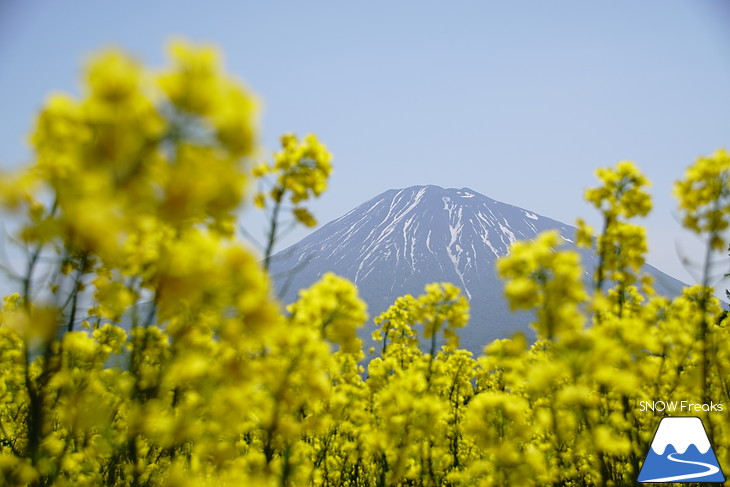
403	239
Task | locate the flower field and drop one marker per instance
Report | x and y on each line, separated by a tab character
133	197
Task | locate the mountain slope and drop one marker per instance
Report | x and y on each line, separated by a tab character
401	240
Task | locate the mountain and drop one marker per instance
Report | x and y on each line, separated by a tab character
403	239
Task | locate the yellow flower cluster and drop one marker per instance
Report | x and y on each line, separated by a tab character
147	349
333	308
704	196
300	170
622	246
622	191
539	277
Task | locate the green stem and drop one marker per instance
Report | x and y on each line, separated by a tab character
601	255
76	291
272	233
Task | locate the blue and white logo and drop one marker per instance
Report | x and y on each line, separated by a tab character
681	452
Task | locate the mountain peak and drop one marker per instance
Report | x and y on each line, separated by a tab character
433	189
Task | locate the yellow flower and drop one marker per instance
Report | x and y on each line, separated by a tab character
584	234
622	192
332	307
538	276
113	77
704	196
304	216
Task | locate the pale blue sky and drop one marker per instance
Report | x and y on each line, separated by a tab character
517	100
